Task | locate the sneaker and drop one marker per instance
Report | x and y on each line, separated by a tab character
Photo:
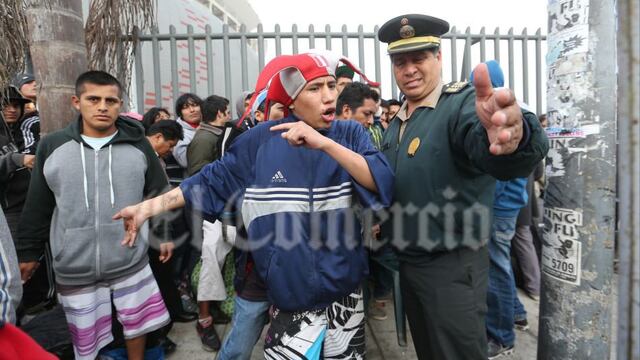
208	337
496	350
188	305
377	311
522	325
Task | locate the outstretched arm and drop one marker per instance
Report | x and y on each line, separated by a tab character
135	215
300	134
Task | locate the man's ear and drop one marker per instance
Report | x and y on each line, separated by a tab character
346	111
75	102
259	115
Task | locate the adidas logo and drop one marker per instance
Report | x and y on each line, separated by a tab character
278	178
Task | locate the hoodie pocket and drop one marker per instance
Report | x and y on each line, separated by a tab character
75	256
114	257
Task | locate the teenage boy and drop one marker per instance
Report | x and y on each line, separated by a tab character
304	238
83	173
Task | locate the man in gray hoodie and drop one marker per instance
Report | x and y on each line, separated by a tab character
83	174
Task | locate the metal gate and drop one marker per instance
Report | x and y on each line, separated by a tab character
228	62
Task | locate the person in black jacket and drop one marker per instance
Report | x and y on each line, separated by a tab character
18	141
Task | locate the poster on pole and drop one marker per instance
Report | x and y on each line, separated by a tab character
561	250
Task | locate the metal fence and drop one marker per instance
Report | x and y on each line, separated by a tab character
228	62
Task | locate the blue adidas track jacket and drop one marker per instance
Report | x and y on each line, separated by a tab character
298	207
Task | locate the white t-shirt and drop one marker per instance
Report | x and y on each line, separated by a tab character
98	143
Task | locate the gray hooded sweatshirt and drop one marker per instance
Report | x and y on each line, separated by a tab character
74	193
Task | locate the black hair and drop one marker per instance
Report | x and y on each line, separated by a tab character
392	102
96	77
185	99
384	103
262	106
169	129
211	106
354	96
150	116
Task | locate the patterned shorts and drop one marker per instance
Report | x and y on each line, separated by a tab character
336	332
138	303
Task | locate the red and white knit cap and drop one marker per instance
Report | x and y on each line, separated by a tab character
285	76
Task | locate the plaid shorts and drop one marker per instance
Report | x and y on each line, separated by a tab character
138	303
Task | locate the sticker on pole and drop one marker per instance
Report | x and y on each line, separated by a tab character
561	250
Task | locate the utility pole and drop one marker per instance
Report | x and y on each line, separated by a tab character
580	197
629	179
58	54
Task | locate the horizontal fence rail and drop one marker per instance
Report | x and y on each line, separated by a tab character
227	62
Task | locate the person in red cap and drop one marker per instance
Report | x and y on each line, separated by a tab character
296	182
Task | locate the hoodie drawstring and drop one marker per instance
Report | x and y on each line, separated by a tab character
112	195
84	173
111	192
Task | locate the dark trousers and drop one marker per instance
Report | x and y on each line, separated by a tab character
445	298
163	274
40	289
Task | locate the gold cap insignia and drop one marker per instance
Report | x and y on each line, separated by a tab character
407	31
413	147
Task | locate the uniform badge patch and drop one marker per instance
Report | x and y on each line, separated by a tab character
413	147
455	87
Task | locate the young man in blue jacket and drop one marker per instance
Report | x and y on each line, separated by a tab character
297	208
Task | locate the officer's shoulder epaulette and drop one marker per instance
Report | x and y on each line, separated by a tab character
455	87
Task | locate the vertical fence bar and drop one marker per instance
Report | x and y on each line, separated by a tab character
243	55
327	38
376	52
192	60
345	41
209	50
260	48
394	88
312	37
175	81
496	45
466	60
512	80
139	76
361	47
454	54
278	40
525	66
538	72
227	63
483	45
157	81
294	38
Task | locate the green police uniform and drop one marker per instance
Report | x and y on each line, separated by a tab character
444	187
443	164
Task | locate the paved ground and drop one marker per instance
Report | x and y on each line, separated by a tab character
381	339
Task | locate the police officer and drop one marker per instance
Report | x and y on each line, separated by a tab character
448	144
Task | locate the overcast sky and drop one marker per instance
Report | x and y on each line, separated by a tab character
518	14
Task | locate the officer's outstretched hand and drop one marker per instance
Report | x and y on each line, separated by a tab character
499	113
300	134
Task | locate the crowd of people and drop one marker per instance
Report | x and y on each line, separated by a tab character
292	215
